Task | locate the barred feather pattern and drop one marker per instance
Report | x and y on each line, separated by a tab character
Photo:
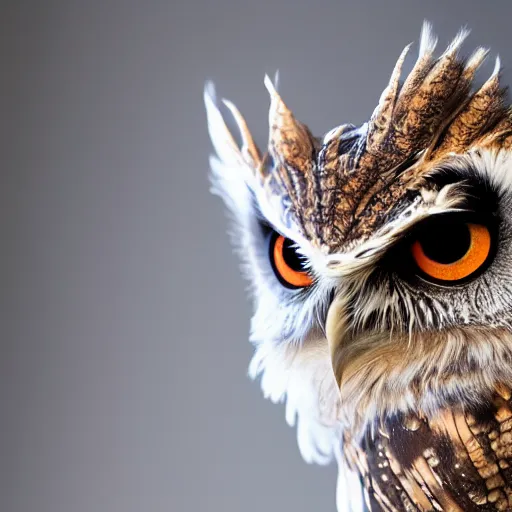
458	461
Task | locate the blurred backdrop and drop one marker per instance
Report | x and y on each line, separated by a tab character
124	319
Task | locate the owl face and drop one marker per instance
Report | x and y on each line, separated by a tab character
378	256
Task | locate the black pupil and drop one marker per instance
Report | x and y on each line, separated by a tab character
446	243
290	256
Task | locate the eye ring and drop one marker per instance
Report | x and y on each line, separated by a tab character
465	246
287	264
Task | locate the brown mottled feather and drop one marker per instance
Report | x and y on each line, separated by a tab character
461	461
340	193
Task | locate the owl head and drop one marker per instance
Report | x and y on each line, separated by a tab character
379	256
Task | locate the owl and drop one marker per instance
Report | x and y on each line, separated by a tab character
379	259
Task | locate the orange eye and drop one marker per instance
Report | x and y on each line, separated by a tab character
287	263
452	251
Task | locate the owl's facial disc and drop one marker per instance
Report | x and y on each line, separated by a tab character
429	316
444	250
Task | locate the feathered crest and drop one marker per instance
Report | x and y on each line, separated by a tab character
338	191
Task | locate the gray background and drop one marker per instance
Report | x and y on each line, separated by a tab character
124	320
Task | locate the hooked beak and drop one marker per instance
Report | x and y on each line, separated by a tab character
335	328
